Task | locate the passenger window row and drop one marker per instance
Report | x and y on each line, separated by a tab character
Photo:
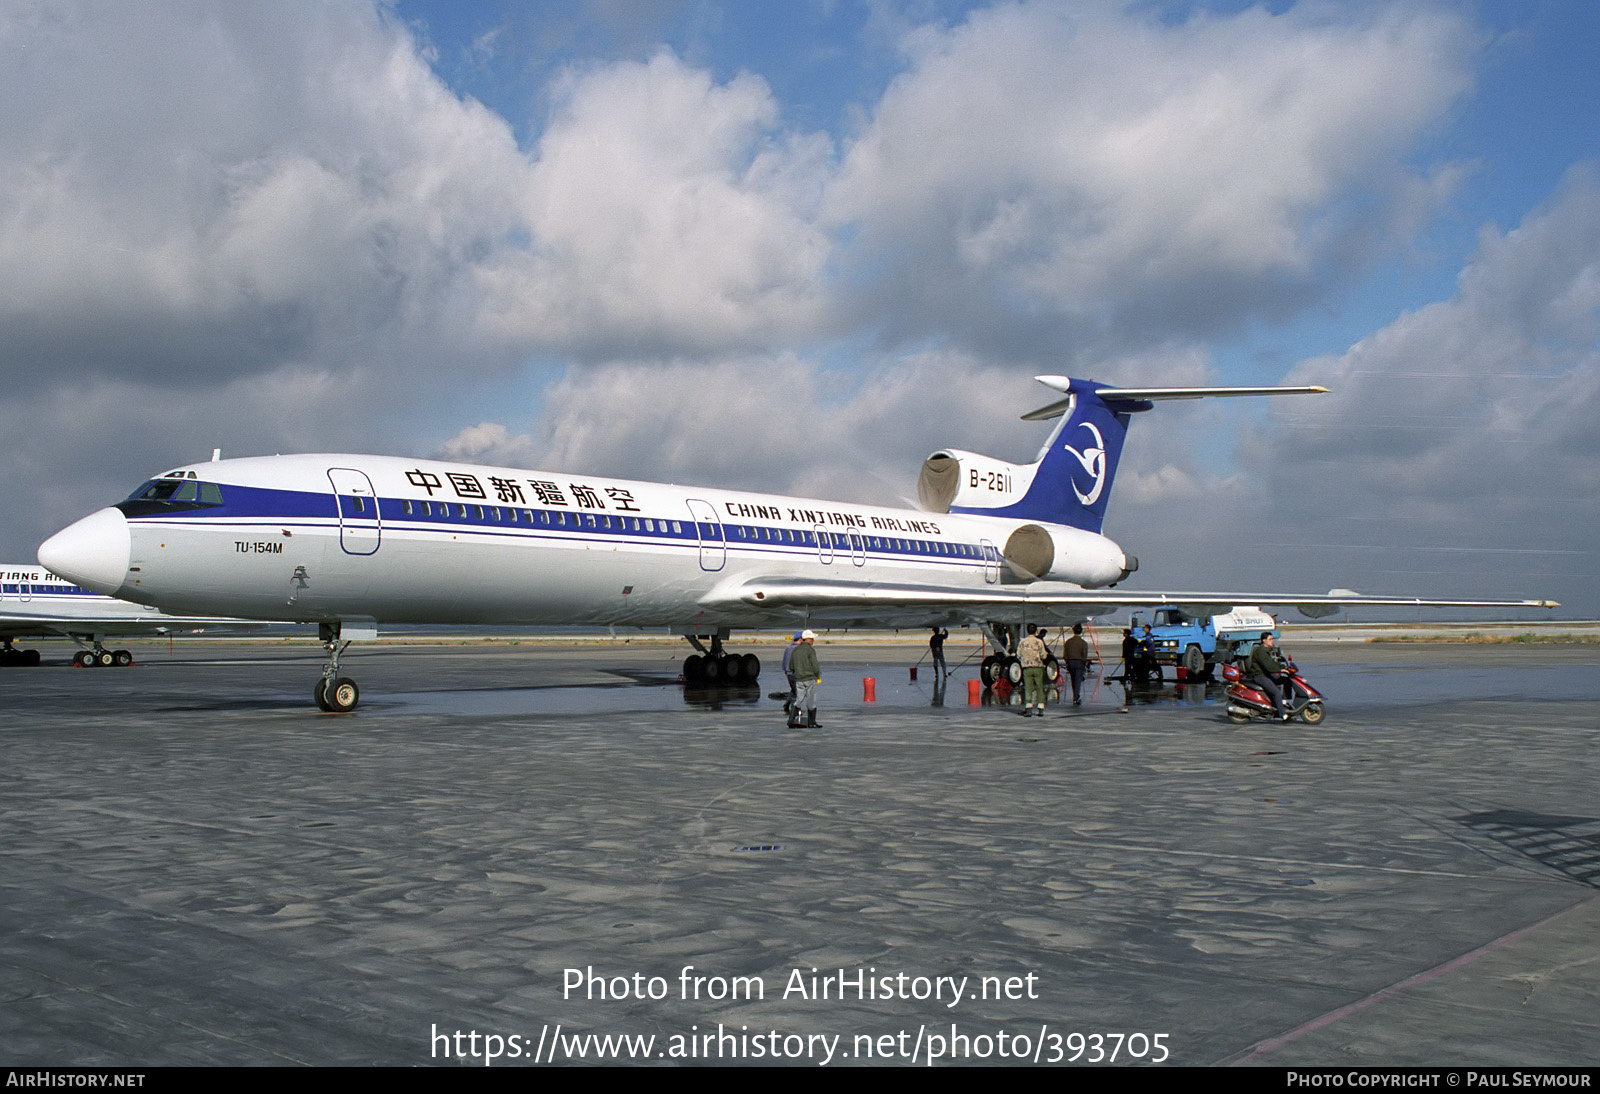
424	509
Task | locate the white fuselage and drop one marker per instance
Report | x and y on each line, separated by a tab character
343	537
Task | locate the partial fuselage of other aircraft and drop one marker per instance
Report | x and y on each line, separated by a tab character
351	541
35	603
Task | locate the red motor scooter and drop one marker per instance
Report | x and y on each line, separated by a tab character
1246	701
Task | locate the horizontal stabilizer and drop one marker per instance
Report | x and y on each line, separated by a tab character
1118	395
1069	482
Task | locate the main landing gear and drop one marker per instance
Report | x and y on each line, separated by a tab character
334	693
97	656
715	666
1004	664
10	655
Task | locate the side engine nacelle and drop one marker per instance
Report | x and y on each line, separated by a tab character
952	477
1054	552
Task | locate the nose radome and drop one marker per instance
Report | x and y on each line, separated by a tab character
94	552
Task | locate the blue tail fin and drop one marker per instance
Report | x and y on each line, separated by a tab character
1077	465
1070	482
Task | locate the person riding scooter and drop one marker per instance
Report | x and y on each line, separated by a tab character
1265	668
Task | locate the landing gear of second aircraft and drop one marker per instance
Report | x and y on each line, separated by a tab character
10	655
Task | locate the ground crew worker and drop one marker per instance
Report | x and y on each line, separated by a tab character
1130	654
1031	652
936	647
1148	665
807	681
788	653
1076	653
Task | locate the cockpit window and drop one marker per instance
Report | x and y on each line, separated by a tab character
160	490
169	493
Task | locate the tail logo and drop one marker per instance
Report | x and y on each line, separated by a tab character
1093	460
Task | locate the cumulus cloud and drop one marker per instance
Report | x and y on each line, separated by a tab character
272	227
191	193
1469	401
792	425
490	443
1456	454
780	423
75	447
664	211
1087	172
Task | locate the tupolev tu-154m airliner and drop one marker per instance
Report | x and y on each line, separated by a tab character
349	542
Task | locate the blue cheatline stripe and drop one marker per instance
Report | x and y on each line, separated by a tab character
249	507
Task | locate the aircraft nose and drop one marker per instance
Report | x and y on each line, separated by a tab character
94	552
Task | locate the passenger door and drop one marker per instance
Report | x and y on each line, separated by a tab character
713	547
360	525
991	562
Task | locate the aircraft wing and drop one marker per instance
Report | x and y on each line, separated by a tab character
868	603
67	626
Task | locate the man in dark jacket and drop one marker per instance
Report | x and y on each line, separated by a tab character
1076	652
807	679
788	654
1265	665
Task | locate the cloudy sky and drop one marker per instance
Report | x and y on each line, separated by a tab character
798	246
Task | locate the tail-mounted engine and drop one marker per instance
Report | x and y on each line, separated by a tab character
965	480
1037	552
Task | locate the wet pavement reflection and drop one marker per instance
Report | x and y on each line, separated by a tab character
1344	687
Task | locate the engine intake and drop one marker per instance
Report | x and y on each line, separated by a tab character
1036	552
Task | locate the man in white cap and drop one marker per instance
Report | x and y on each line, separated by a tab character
807	679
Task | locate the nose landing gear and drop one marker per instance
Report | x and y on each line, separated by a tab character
334	693
338	696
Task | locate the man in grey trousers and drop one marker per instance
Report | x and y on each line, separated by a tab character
807	681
